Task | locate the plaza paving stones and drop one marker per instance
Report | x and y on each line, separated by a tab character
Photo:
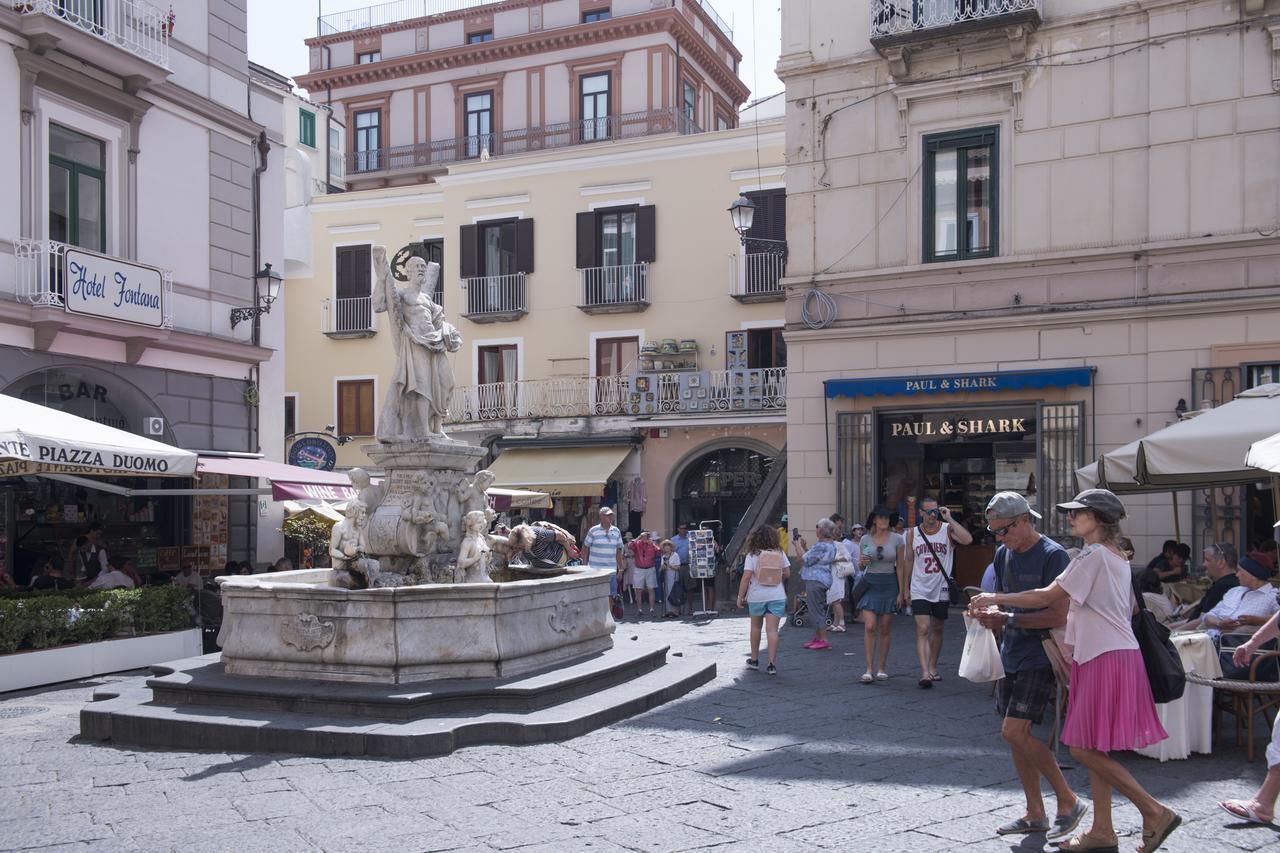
805	760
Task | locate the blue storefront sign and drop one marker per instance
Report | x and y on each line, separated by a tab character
313	452
960	383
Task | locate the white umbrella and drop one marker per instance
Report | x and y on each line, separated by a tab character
1209	449
35	439
1265	454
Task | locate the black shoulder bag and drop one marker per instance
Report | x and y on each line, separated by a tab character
1161	659
953	589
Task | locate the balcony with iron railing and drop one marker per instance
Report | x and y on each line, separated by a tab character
617	289
348	317
425	156
44	280
756	275
755	391
495	298
134	29
898	22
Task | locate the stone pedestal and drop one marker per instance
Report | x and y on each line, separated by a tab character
421	476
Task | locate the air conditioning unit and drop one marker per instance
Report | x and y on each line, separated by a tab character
155	426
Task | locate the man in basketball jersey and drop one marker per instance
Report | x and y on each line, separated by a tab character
931	549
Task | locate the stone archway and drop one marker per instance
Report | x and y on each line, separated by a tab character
729	472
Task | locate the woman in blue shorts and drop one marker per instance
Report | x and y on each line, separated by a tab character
763	589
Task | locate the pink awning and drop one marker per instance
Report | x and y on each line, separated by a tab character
288	482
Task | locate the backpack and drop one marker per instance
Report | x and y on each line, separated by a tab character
770	567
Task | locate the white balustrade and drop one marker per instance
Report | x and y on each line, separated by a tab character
615	285
133	25
893	17
757	273
349	315
494	294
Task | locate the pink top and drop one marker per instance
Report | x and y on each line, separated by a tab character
1100	618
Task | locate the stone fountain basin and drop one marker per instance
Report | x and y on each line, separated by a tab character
294	625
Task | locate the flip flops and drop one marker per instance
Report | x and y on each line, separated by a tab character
1241	810
1084	844
1022	826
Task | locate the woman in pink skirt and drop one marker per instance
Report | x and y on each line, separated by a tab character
1111	706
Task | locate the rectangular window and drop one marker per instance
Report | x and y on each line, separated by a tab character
497	248
960	195
335	152
353	309
615	356
497	363
77	189
369	57
480	37
290	414
478	107
617	240
355	407
722	123
596	16
766	348
307	128
594	97
368	126
689	104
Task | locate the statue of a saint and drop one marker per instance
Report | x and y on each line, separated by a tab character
422	381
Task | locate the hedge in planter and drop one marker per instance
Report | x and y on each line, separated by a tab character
41	621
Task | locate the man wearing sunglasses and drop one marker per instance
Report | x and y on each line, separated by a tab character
930	555
1026	560
1220	561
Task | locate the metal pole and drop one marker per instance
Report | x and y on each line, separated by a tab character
1177	525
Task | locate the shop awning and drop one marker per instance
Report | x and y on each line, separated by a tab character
288	482
960	383
1265	454
504	499
321	508
559	471
36	439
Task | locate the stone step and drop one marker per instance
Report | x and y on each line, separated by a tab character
203	681
126	717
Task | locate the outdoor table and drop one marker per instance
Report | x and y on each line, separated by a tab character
1189	720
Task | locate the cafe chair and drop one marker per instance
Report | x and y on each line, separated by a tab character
1244	699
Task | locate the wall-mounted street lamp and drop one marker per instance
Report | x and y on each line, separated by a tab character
266	289
743	213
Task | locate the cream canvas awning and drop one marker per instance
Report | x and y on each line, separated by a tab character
36	439
1265	454
561	472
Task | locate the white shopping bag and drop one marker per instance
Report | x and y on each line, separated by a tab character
981	659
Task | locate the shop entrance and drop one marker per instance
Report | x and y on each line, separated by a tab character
720	487
961	457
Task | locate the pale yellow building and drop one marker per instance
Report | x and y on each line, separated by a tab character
551	362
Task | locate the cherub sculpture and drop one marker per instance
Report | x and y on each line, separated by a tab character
346	543
430	533
473	554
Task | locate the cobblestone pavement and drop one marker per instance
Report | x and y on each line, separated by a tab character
807	759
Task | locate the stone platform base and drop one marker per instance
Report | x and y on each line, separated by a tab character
194	704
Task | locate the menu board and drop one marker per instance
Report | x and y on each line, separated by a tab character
702	554
208	526
168	559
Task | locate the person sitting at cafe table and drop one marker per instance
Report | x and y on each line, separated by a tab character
1161	562
1177	565
113	578
1220	560
49	576
1241	611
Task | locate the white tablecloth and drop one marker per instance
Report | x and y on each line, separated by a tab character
1189	720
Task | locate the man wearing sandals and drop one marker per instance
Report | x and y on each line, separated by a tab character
1026	560
931	553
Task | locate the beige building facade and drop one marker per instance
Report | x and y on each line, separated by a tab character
551	363
1022	234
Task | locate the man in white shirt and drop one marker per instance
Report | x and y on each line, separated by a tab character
112	578
1249	604
930	548
189	577
603	547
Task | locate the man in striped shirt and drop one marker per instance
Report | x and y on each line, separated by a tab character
603	547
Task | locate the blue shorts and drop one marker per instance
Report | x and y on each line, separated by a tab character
772	608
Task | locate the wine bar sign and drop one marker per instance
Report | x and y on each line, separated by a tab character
100	286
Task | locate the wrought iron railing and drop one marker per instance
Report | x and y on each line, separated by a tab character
520	141
757	273
494	294
41	276
616	285
133	25
349	315
895	17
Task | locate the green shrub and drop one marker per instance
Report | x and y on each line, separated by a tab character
44	619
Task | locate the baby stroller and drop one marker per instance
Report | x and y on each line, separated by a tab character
800	614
